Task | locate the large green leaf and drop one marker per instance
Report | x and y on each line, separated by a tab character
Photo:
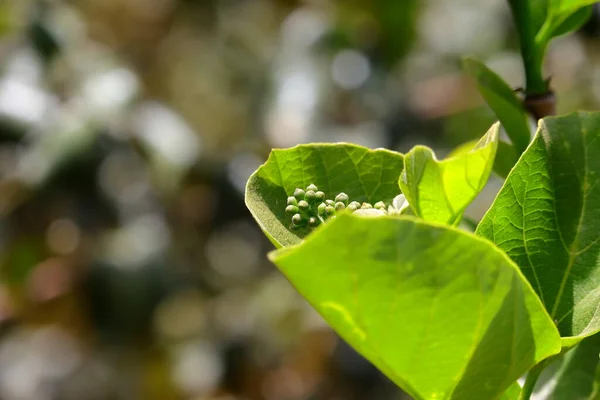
365	175
547	219
503	101
441	312
440	191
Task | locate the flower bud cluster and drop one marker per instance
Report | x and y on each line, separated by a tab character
309	207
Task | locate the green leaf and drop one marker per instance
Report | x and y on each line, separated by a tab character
463	149
558	7
573	22
440	191
441	312
512	393
503	101
365	175
547	218
506	158
563	16
575	379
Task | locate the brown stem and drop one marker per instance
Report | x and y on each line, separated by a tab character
541	105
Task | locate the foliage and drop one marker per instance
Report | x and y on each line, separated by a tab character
503	100
365	175
440	191
446	313
546	219
442	312
538	22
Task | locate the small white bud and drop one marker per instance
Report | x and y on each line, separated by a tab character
370	212
400	204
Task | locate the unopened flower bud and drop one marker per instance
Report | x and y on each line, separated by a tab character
297	220
303	205
299	194
400	204
380	205
355	205
310	196
342	198
292	209
322	209
330	210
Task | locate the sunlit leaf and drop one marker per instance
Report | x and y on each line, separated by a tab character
512	393
568	6
441	312
547	219
365	175
440	191
563	16
573	22
506	156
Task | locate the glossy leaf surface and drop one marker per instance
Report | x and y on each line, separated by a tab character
547	219
441	312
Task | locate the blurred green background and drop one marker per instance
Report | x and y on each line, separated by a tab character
130	267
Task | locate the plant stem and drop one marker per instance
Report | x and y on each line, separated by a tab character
542	105
531	379
535	84
532	53
540	101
